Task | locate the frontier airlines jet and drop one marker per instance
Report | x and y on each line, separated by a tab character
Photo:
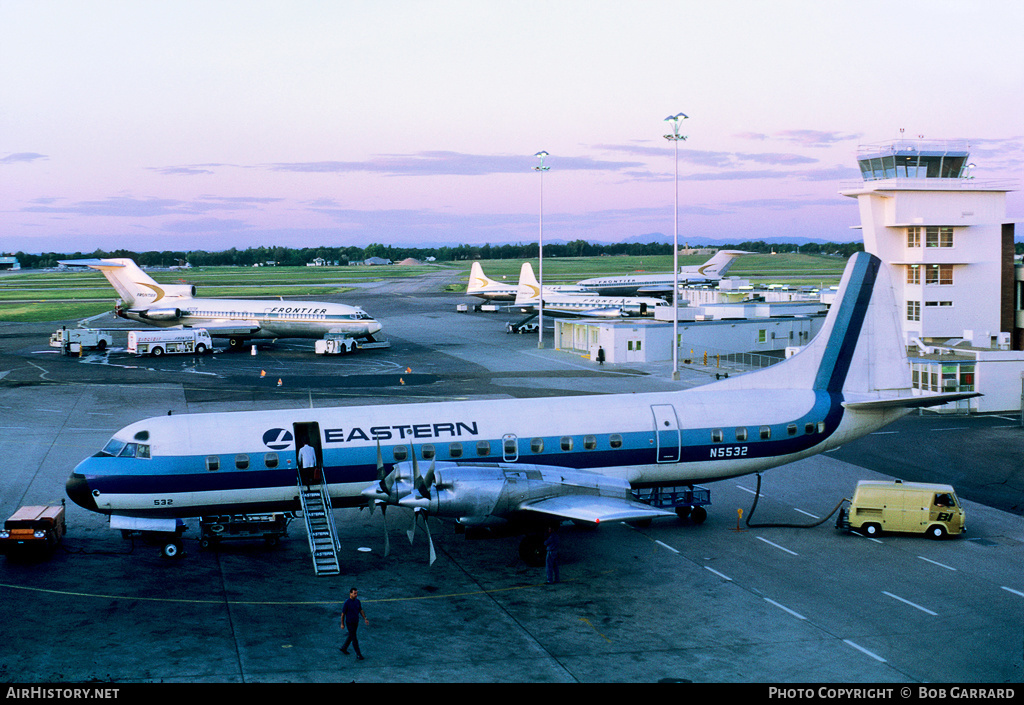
169	305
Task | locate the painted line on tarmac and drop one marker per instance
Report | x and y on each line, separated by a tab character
912	604
785	609
864	651
781	548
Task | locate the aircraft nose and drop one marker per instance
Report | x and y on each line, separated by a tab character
373	327
78	491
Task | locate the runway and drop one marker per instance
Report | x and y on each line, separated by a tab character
719	602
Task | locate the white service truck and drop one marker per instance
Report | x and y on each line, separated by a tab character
77	339
169	341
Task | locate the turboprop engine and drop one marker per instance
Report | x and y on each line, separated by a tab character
484	494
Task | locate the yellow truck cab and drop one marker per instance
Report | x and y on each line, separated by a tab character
914	507
33	530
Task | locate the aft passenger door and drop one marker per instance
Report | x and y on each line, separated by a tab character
666	431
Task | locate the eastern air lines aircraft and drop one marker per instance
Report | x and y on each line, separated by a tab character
661	284
168	305
586	304
500	461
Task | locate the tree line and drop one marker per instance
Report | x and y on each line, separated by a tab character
298	257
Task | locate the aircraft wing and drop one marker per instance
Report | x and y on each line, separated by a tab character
915	402
595	509
226	328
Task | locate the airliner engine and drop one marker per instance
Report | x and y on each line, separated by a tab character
161	314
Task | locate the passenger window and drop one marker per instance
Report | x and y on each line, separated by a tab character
566	443
717	435
455	450
766	433
821	427
212	463
510	446
483	448
428	452
270	460
242	462
809	428
615	440
589	443
401	453
791	429
741	434
536	445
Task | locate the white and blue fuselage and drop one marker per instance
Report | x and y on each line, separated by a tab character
843	385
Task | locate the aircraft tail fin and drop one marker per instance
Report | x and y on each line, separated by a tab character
528	291
478	281
858	351
717	266
135	287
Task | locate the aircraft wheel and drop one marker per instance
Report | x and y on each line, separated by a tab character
698	515
172	550
532	551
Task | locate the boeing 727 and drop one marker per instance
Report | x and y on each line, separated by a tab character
661	284
168	305
523	461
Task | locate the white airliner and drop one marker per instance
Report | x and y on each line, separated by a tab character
570	304
168	305
661	284
542	459
486	288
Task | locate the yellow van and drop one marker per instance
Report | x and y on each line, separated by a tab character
914	507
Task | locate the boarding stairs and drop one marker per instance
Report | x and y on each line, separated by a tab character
323	534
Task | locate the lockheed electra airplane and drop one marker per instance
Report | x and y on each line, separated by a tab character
512	461
168	305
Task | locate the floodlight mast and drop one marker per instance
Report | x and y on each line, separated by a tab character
540	250
675	138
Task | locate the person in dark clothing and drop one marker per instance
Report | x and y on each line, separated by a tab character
551	561
600	355
351	611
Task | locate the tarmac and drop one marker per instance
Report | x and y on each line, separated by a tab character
719	602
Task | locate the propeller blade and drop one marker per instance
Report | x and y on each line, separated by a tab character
411	533
433	554
424	483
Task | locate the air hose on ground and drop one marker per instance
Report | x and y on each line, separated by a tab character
757	495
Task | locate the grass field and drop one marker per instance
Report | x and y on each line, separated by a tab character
31	296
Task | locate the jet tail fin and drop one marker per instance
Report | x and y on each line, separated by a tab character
135	287
478	281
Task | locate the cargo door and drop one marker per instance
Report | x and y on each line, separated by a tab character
666	432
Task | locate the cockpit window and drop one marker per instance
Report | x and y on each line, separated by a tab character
114	447
128	451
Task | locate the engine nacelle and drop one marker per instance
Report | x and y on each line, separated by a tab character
161	314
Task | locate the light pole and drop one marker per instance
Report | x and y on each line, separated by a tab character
675	138
540	251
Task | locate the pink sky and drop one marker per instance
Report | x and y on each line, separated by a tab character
209	125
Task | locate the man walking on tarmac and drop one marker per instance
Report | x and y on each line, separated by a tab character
351	611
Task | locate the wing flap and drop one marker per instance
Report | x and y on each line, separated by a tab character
235	327
595	509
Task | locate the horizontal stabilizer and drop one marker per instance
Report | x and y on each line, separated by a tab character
595	509
906	402
90	263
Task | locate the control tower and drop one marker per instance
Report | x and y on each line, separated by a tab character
943	234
